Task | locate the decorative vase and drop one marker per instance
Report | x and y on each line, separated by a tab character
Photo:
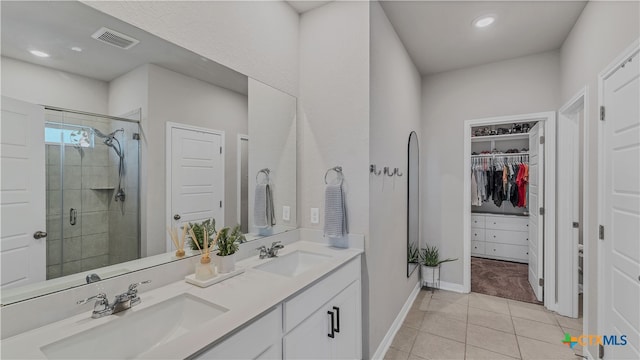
225	264
430	275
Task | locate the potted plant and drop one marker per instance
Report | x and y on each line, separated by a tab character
227	241
413	254
198	230
430	264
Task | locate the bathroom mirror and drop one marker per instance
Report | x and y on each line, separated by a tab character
140	134
413	203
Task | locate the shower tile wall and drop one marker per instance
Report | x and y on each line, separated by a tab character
89	178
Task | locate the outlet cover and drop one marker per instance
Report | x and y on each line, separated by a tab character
286	213
315	215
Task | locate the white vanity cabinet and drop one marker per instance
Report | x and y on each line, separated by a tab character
261	339
325	321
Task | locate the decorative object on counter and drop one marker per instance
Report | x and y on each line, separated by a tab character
191	279
430	266
336	224
264	217
228	240
179	244
196	232
204	269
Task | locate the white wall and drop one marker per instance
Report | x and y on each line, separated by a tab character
601	33
41	85
256	38
522	85
177	98
395	111
272	144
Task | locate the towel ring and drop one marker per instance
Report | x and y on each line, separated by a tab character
338	170
264	171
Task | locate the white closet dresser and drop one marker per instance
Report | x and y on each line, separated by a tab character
503	237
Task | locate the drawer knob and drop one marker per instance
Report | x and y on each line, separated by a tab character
527	253
494	249
494	223
494	236
475	234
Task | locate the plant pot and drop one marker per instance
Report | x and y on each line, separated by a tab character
430	275
225	264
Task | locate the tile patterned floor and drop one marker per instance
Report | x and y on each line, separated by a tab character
448	325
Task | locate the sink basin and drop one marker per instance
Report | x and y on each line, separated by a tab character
293	264
134	333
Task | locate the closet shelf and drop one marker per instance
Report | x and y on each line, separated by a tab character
499	155
500	137
103	188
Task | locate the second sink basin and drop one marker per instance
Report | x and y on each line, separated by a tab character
134	333
293	264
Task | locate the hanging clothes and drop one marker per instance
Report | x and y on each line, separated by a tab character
475	198
500	180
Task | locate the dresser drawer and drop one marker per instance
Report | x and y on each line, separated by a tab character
477	221
506	237
477	234
506	251
507	223
477	247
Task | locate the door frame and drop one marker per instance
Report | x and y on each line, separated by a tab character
168	153
239	174
619	60
567	272
549	120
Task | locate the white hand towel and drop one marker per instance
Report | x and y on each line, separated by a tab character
335	212
263	211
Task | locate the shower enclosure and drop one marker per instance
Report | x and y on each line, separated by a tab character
92	180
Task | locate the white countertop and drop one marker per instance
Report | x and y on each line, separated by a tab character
247	296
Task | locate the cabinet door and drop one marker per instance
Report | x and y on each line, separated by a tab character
347	343
259	340
310	339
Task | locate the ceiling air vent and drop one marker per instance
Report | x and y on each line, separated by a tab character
115	38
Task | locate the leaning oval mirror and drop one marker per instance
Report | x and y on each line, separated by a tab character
413	201
110	135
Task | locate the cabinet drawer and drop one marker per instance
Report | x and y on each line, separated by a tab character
512	252
304	304
507	223
477	234
507	237
477	247
477	221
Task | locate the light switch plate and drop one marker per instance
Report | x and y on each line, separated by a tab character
315	215
286	213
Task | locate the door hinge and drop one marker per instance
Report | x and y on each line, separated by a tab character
600	351
541	212
542	139
541	282
576	225
601	232
220	149
220	203
136	136
602	113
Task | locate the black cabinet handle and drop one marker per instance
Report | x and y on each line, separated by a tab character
337	309
331	334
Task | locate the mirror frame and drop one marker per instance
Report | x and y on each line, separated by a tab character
413	137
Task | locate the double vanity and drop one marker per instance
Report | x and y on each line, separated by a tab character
305	303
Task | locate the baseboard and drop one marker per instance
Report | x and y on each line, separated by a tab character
459	288
397	323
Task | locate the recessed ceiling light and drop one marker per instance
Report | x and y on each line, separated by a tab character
75	48
39	53
484	21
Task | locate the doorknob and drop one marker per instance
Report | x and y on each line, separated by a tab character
39	234
176	217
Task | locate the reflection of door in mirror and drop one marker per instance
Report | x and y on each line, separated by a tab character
196	175
243	182
413	203
92	184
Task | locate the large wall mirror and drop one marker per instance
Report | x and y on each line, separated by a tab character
413	203
132	134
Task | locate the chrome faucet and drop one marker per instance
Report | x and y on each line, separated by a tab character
121	302
270	252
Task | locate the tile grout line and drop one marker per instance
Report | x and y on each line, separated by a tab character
466	327
514	330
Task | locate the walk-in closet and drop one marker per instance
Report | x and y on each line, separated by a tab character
505	173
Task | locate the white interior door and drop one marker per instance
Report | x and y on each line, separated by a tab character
535	202
22	193
568	213
620	214
197	176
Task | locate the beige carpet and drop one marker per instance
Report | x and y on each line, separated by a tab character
501	278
